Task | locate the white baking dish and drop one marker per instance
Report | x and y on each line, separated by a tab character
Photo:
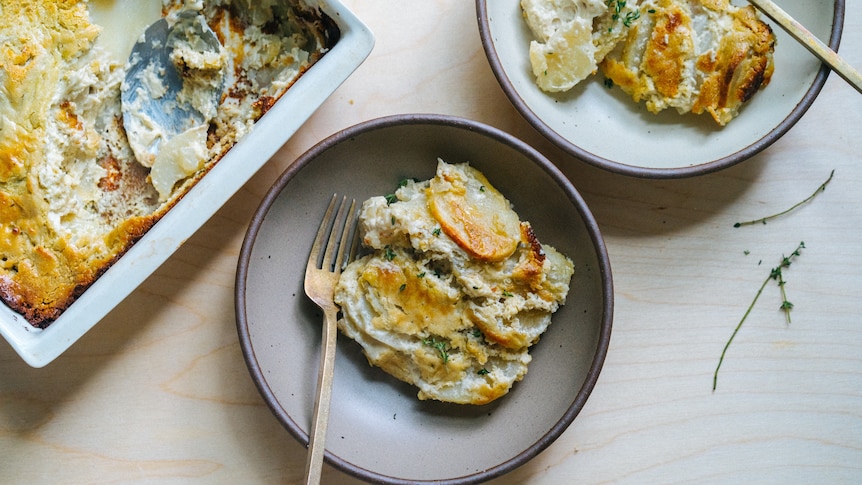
39	347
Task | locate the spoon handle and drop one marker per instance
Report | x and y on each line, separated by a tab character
812	43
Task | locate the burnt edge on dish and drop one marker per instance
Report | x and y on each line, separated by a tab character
473	126
656	173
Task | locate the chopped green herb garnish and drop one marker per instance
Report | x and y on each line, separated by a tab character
402	287
627	19
392	198
436	231
421	275
483	371
617	7
388	253
441	345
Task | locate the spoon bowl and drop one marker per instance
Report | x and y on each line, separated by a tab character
162	93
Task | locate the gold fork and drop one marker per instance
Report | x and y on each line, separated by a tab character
321	275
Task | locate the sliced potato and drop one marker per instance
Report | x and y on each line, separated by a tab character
566	58
473	213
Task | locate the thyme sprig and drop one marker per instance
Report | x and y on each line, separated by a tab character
441	346
775	274
763	220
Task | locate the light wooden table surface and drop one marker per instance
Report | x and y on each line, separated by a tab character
158	392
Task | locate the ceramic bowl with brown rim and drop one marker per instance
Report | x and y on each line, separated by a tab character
378	430
604	127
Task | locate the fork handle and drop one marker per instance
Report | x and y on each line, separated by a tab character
320	418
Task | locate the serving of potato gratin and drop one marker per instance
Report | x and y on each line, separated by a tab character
698	56
455	290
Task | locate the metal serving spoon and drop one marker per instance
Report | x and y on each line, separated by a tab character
154	106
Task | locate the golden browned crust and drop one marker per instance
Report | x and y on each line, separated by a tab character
40	275
742	66
469	211
665	54
661	62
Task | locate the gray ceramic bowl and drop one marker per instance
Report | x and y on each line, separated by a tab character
605	128
378	430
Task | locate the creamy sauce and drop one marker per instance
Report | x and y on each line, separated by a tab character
123	22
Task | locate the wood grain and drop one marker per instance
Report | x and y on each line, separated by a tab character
159	392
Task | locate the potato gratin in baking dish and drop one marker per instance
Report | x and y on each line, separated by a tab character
73	197
85	218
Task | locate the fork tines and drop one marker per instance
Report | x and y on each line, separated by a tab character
336	231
